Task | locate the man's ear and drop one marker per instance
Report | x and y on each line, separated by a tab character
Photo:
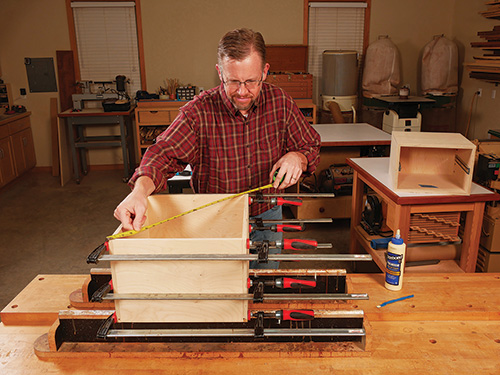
266	70
218	71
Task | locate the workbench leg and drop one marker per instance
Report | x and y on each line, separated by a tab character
402	220
82	152
71	136
358	188
123	139
130	145
471	236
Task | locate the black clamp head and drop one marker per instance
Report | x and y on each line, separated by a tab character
263	252
258	292
259	325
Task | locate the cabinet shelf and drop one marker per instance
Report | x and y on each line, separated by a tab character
5	96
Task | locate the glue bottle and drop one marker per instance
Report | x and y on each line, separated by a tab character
395	262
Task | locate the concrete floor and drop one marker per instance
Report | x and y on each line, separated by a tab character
49	229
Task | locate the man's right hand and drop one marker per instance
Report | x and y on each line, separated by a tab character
131	211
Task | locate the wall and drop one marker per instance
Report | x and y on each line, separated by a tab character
483	112
180	40
181	37
32	29
411	24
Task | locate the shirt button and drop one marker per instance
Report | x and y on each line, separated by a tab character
248	166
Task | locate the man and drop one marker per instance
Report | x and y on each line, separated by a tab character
234	136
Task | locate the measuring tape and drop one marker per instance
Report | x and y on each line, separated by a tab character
132	232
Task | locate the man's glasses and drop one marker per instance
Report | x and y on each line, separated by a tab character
250	84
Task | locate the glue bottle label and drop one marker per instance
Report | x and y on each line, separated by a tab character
393	268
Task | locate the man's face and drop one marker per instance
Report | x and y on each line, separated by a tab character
233	73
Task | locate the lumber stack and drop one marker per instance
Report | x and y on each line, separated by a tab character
487	66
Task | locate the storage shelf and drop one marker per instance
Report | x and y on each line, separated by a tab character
444	266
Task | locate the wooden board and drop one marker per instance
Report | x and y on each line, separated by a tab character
438	296
218	229
287	57
407	347
40	301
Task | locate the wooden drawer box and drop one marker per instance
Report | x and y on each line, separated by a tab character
218	229
490	233
153	117
297	85
431	163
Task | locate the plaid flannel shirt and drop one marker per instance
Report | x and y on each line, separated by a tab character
228	152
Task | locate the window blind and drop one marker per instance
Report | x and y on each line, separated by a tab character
106	36
333	26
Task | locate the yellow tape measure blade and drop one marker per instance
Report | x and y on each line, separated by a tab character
132	232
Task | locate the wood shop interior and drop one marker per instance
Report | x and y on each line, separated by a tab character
389	253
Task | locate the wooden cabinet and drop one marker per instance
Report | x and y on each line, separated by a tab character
152	117
17	151
24	152
7	171
308	109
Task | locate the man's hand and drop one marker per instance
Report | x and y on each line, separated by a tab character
131	211
291	166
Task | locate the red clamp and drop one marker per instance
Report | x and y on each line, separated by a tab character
298	283
289	201
296	315
299	244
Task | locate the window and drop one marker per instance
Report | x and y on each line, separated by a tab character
107	42
334	25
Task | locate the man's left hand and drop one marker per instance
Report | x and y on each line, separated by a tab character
291	166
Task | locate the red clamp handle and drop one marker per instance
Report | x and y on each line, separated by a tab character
299	244
297	315
289	201
298	283
288	228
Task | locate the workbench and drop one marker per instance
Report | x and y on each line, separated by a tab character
451	326
374	172
339	142
77	121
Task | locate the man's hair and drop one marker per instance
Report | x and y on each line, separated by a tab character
239	43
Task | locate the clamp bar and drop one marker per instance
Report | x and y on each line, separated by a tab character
275	332
236	257
301	195
236	296
288	221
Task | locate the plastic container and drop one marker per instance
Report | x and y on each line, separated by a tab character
395	263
